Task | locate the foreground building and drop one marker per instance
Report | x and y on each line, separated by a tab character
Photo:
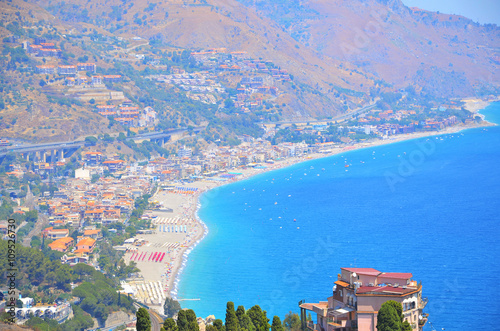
357	297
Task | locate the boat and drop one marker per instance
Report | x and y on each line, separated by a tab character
346	166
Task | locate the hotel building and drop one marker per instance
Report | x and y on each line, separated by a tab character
357	296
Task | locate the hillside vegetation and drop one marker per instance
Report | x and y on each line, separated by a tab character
306	59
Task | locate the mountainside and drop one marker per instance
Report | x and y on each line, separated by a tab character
314	39
322	58
444	54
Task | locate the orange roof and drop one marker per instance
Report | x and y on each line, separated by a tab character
91	232
113	161
95	211
65	240
342	283
86	241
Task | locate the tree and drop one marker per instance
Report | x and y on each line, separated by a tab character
292	322
398	307
92	141
171	307
277	326
388	318
244	320
143	321
169	325
231	319
218	325
259	318
406	326
186	320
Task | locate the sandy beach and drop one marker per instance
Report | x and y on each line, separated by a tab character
177	232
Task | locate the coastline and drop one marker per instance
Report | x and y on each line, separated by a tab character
178	264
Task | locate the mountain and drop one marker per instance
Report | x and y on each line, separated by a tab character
448	55
339	54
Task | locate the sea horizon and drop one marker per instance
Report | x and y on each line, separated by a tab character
263	248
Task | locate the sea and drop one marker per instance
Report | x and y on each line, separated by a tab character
428	206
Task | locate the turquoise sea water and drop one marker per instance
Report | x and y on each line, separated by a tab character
429	206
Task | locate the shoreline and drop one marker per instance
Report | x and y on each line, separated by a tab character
179	264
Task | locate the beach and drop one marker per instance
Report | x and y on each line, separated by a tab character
177	232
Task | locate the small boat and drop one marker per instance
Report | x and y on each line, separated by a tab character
294	220
346	166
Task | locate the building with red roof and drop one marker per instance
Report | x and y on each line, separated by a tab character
357	297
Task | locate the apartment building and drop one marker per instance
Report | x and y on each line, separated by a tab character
357	297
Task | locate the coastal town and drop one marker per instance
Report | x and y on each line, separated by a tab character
99	202
132	135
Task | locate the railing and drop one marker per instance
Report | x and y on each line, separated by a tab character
423	303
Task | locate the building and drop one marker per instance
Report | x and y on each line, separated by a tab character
66	70
114	165
46	69
93	158
96	80
112	78
86	245
61	245
93	234
357	297
185	152
54	234
90	67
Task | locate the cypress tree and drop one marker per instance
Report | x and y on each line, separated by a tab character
388	318
243	319
277	326
143	322
231	319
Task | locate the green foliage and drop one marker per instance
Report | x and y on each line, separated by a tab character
80	320
186	321
244	320
231	319
171	307
388	318
37	323
99	298
143	320
95	178
277	326
406	326
292	322
90	140
170	325
259	318
35	268
219	325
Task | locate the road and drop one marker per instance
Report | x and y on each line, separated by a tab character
156	320
42	221
78	143
333	119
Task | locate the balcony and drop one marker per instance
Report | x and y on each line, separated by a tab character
423	303
334	323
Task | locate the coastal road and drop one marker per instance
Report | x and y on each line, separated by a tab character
333	119
30	148
156	320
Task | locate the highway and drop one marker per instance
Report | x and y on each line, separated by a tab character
333	119
30	148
